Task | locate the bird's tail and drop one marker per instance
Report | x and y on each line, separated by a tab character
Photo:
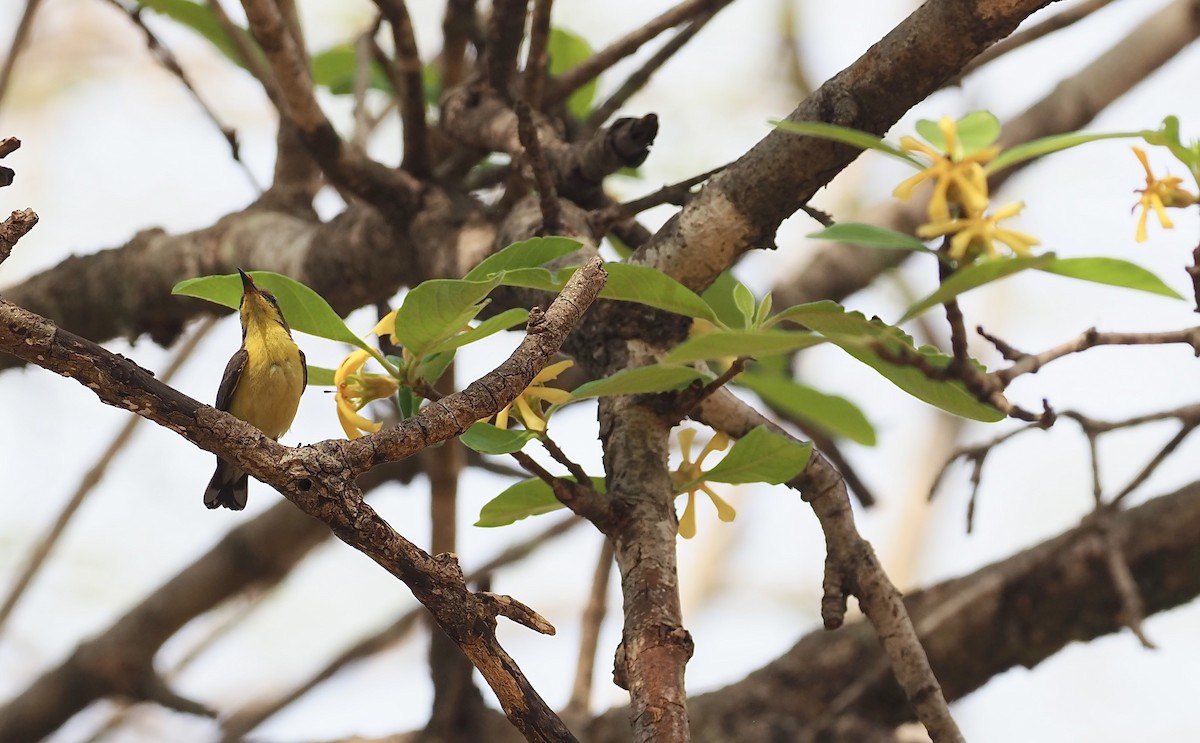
227	488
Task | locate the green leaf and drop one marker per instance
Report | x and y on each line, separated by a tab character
319	376
645	285
526	498
304	309
337	68
566	51
1047	145
973	276
718	344
491	326
744	301
978	130
853	137
931	133
761	456
832	414
201	20
641	380
858	336
762	312
437	309
872	236
488	439
529	253
433	365
719	296
1111	271
535	278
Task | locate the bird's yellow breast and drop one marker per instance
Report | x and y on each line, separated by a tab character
268	391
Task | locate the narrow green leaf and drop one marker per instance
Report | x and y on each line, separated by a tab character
437	309
336	69
526	498
762	312
491	326
304	309
1111	271
201	20
719	344
832	414
761	456
974	276
1047	145
529	253
859	336
567	50
641	380
872	236
853	137
744	301
319	376
488	439
645	285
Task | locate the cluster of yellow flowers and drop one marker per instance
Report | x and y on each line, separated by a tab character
960	199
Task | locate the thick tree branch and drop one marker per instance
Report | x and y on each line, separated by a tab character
741	207
842	269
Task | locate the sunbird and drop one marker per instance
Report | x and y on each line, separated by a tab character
262	384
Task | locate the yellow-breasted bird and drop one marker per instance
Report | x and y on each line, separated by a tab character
262	384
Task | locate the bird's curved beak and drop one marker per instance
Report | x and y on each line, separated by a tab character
247	282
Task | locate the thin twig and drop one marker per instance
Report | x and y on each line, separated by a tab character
578	76
411	90
167	59
642	75
537	65
37	557
1032	363
690	398
1158	459
505	31
459	25
1021	38
18	44
18	224
589	635
561	457
547	193
362	80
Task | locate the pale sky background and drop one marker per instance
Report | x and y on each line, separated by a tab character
112	145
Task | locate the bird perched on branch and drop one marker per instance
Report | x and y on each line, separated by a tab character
262	384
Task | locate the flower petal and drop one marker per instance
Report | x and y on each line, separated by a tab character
386	326
687	520
725	512
350	365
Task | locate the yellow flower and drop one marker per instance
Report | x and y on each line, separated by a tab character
529	403
354	389
976	235
1159	194
689	475
959	179
386	325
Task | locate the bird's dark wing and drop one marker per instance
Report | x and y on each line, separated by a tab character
233	372
304	366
